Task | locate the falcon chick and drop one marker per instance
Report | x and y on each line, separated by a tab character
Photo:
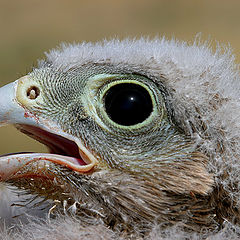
143	139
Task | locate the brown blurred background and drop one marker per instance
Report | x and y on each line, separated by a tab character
31	27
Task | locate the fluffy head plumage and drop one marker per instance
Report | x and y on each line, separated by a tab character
184	169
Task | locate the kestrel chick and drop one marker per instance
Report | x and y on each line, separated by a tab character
142	135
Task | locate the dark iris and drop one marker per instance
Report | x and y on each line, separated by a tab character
128	104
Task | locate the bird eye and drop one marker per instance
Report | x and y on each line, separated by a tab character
128	103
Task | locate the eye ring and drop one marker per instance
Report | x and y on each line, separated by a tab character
152	119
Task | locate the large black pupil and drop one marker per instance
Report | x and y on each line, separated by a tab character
128	104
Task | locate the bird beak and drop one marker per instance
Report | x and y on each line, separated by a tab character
65	149
10	111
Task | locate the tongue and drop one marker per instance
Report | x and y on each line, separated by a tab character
11	164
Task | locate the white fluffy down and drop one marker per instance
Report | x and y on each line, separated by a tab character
70	228
202	79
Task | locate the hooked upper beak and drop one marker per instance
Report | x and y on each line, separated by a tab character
65	149
10	111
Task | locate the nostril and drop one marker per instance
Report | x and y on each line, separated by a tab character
33	92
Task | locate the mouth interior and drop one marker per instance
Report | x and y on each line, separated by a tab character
64	150
55	143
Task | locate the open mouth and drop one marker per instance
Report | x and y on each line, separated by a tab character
64	150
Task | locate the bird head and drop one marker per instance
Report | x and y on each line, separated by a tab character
130	141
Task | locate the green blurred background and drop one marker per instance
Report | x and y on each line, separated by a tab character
31	27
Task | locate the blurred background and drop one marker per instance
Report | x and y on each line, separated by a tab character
31	27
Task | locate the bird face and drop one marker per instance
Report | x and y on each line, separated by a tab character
117	151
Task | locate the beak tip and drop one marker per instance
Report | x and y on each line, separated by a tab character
7	105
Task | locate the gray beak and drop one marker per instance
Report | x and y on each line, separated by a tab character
11	111
9	108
